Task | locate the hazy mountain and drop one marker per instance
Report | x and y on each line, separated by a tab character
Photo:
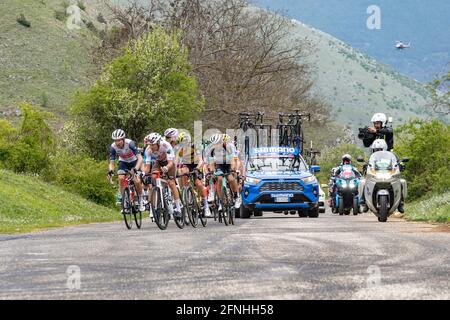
426	24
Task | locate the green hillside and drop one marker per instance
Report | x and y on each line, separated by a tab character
45	63
29	204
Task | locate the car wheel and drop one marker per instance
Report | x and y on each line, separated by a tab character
303	214
313	213
244	212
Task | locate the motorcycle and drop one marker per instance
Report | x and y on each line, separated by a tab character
347	195
383	187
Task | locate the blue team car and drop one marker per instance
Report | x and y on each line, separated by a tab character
279	180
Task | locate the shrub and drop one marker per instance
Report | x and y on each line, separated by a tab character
101	19
60	15
23	21
148	88
427	144
81	175
31	145
81	5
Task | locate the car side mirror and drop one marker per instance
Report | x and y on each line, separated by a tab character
315	168
405	160
360	159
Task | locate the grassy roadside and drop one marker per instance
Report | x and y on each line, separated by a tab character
28	204
434	209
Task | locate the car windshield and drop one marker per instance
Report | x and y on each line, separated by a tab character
383	160
277	164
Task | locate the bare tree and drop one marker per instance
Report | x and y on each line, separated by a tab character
245	58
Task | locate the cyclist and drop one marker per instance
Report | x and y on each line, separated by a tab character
222	158
164	162
129	159
190	161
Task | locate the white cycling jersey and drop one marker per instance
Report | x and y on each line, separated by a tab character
165	153
222	153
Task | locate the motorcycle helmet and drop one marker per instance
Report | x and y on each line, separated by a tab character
379	145
380	117
346	159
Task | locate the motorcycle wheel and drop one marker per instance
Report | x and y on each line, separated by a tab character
383	209
355	206
341	207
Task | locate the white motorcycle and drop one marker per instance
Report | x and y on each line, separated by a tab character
383	188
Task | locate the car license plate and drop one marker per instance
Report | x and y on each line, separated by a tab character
282	200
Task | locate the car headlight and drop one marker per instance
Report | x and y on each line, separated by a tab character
251	180
309	179
352	185
344	184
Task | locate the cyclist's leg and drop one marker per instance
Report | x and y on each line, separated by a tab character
184	181
123	166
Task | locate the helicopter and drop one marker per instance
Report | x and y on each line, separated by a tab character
401	45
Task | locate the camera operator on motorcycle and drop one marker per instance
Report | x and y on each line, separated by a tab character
380	130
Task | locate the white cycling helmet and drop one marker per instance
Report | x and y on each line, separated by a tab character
119	134
379	145
184	137
154	138
171	133
217	138
380	117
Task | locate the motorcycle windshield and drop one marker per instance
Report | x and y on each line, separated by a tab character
383	161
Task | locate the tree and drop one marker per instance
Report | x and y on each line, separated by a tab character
427	144
440	93
148	88
245	58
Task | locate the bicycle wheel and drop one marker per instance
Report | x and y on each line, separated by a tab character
160	211
180	221
127	208
192	204
203	218
217	214
225	206
137	213
232	209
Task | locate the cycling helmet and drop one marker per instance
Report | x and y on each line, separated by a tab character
380	117
217	138
379	145
171	133
226	138
119	134
183	137
154	138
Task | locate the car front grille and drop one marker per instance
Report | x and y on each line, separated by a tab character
281	186
267	199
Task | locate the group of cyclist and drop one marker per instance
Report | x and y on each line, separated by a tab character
175	156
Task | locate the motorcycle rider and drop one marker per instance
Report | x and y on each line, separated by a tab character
380	130
335	172
377	146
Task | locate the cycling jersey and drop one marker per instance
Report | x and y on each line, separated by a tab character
221	154
165	153
127	154
191	157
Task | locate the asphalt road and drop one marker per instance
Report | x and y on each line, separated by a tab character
274	257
